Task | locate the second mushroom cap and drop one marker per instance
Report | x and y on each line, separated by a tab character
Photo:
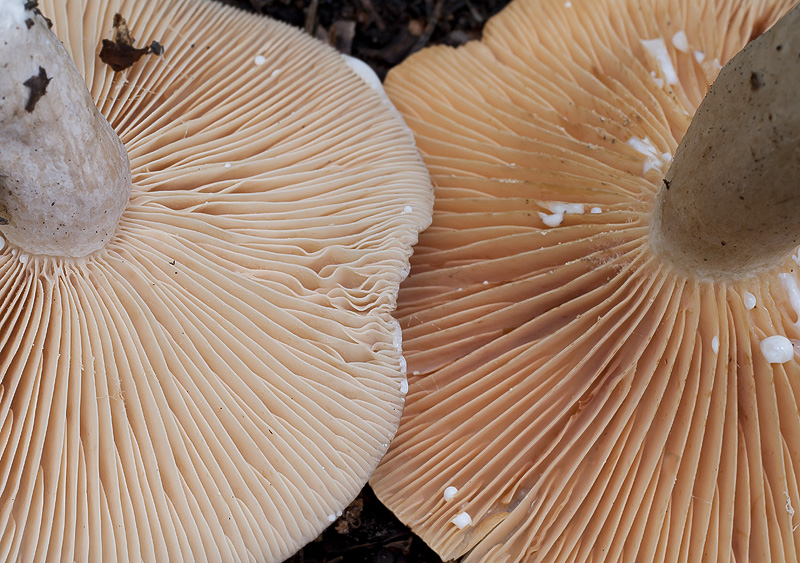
572	395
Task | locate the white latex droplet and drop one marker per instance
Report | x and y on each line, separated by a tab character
777	349
681	42
462	520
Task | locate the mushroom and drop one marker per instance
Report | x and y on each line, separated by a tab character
601	324
198	359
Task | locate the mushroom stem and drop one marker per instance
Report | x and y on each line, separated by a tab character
730	203
64	174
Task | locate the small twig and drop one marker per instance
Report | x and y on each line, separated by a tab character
433	21
311	17
476	15
374	16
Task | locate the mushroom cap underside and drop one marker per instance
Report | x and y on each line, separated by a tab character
571	398
222	378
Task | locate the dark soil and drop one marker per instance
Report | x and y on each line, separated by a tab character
382	33
367	532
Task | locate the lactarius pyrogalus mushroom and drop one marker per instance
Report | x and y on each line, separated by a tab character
591	379
197	352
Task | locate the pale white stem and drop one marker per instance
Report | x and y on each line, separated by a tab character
64	174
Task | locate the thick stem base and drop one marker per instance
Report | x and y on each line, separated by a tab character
730	204
64	174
